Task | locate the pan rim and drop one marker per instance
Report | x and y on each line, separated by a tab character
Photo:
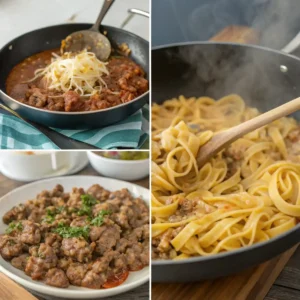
227	254
2	93
196	43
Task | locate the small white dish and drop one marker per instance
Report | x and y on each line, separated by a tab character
119	169
80	161
29	191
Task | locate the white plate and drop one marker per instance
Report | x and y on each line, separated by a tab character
82	162
29	191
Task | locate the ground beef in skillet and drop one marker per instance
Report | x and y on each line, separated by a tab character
125	82
76	238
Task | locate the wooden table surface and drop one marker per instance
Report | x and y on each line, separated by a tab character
140	293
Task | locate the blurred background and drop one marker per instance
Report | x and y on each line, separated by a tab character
276	21
20	16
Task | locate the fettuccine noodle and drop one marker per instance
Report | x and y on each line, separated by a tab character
248	193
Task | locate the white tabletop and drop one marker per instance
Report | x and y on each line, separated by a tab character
20	16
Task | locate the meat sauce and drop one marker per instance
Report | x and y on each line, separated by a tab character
125	82
90	238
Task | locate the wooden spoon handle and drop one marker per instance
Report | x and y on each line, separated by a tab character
9	290
224	138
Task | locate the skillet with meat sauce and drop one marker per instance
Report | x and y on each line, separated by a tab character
125	82
87	238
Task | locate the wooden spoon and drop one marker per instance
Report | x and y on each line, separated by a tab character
224	138
9	290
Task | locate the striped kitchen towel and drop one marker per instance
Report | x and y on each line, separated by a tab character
130	133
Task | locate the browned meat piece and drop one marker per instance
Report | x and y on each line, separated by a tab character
186	205
10	247
166	237
64	263
56	103
73	101
57	277
37	97
102	264
44	259
76	273
135	257
139	234
122	194
20	262
48	254
57	191
121	219
119	263
15	214
104	206
93	280
104	100
54	240
123	83
294	135
75	198
122	245
31	233
78	249
80	222
95	232
36	215
108	239
35	268
98	192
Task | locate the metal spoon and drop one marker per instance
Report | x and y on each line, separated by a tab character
91	40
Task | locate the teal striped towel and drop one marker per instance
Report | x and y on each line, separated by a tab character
130	133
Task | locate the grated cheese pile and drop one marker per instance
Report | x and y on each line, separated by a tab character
81	73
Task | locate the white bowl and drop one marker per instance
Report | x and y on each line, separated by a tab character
18	166
120	169
29	191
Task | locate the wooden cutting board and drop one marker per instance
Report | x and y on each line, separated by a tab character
9	290
250	284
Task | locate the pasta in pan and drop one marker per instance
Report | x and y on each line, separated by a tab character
248	193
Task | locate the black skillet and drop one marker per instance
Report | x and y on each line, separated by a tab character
50	38
265	79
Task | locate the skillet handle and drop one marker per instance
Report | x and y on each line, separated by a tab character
293	45
139	12
131	13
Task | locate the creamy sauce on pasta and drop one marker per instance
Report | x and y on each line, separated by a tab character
248	193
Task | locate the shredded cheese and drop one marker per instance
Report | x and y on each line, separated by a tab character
81	73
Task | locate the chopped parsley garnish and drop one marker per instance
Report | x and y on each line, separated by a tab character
50	216
98	221
84	210
69	232
13	226
87	202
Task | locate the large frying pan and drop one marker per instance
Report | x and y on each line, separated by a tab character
264	78
50	38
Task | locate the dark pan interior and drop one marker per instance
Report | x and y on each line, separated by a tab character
50	38
215	70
